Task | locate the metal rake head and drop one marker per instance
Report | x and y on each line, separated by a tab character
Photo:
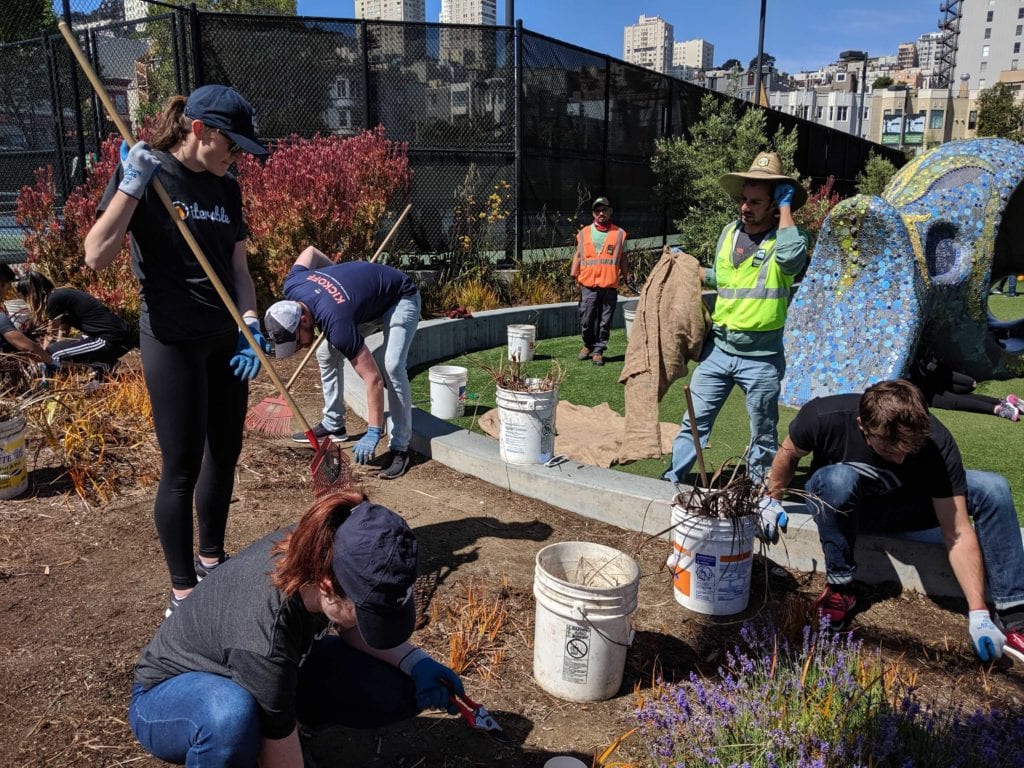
331	469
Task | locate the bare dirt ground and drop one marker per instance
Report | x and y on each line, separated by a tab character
82	588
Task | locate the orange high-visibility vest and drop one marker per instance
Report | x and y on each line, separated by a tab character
600	270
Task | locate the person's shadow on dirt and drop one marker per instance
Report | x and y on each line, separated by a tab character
444	547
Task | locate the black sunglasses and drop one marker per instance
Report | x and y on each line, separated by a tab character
233	146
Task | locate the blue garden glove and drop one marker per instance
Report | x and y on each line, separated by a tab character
363	450
784	191
435	684
773	518
140	165
988	640
244	364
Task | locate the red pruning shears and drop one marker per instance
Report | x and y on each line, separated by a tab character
477	717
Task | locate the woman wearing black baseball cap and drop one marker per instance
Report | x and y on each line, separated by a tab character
197	364
309	625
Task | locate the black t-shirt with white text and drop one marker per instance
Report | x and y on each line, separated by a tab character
827	427
179	302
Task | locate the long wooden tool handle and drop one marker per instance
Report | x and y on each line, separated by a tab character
696	437
225	297
321	337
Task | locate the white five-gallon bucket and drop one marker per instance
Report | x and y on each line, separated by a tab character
526	425
447	390
13	473
629	316
521	342
585	595
710	561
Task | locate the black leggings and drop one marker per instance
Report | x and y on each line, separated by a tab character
198	411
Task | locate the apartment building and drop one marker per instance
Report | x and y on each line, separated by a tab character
391	10
695	54
990	41
648	43
468	12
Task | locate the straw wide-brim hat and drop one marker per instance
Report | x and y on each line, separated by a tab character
766	167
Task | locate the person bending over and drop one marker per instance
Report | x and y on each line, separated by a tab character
882	462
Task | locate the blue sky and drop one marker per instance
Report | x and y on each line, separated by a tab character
801	34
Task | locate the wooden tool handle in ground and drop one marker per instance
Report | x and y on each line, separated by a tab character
696	437
225	297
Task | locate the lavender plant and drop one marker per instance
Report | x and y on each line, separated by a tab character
828	703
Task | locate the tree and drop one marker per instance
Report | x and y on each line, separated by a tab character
731	64
1000	114
723	140
767	61
875	176
882	81
25	19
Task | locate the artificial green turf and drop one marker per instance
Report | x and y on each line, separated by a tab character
986	442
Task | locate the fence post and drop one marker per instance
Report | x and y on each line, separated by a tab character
60	160
76	96
97	110
607	129
197	54
366	74
517	163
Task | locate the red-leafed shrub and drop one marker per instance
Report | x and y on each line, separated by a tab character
328	191
812	215
54	243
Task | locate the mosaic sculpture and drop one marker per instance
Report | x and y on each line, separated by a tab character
910	271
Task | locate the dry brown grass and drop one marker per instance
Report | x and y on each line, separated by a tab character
104	439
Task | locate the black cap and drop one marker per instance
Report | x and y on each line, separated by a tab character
601	201
375	562
224	108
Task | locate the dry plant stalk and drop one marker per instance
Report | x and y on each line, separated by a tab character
514	379
103	439
476	627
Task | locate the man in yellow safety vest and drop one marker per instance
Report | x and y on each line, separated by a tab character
756	261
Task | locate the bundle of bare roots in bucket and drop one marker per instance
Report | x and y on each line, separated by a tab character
731	494
511	375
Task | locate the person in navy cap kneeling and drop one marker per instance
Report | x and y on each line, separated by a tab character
309	625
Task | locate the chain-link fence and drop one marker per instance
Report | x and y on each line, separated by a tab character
519	126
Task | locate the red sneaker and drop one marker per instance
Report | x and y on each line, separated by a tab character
837	606
1015	643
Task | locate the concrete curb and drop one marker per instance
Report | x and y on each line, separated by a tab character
917	561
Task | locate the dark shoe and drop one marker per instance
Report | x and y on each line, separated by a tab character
320	431
598	358
396	466
203	570
836	606
584	354
172	603
1015	643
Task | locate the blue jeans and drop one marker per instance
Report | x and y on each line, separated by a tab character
399	329
843	500
760	378
199	719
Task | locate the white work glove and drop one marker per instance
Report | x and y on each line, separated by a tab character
772	519
140	166
988	640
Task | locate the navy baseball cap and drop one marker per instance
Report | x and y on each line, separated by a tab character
224	108
375	562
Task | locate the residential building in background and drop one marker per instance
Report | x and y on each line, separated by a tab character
928	46
696	54
648	43
391	10
991	36
468	12
906	56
